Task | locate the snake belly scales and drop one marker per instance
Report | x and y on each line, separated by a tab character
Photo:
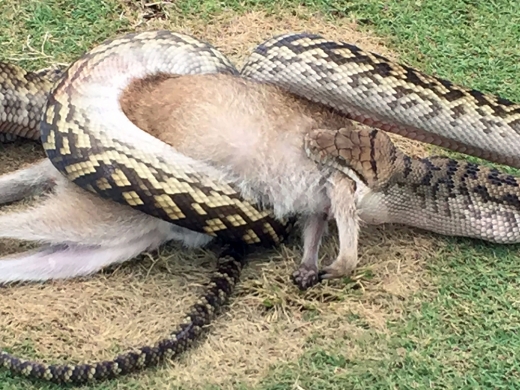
55	107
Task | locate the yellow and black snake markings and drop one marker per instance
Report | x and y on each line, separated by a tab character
201	314
371	89
363	86
439	194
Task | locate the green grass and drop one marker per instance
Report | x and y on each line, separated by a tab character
464	333
464	337
474	43
57	30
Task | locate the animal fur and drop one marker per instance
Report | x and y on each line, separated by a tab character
252	133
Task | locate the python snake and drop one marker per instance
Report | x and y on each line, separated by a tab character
439	194
80	130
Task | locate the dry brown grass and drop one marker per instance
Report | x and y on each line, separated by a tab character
269	320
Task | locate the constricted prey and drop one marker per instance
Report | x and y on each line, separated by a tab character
208	152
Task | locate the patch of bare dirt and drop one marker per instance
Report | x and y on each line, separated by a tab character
269	320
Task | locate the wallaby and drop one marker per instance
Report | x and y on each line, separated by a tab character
82	233
251	132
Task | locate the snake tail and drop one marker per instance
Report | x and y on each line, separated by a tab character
219	290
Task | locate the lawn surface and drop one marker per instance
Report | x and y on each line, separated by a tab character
432	313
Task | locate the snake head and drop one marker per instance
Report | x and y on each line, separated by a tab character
365	155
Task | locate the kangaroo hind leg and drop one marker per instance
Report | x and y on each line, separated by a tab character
62	262
28	181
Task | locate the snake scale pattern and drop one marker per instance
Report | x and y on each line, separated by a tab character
218	291
76	116
439	194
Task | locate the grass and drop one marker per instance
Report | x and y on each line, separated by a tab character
463	337
451	322
55	30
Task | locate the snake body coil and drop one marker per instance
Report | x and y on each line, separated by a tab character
439	194
81	134
89	139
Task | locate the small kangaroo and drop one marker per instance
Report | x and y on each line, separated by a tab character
253	133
